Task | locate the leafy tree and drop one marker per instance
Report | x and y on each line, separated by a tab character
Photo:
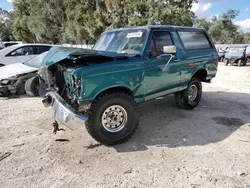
203	23
5	25
38	20
21	14
222	28
57	21
247	38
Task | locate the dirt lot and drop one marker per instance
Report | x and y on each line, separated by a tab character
206	147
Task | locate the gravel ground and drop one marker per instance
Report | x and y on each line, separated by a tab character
206	147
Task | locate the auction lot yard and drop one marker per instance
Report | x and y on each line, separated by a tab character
206	147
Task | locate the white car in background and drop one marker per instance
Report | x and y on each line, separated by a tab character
21	53
21	78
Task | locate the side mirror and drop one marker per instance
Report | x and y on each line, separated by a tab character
169	49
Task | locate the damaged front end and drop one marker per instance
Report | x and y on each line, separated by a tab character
62	84
14	84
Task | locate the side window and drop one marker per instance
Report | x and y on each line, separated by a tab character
159	40
41	49
194	40
27	50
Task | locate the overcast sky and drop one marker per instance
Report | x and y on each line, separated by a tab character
204	9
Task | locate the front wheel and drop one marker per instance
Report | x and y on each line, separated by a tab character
190	97
113	118
32	87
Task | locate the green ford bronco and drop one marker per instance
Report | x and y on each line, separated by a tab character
101	88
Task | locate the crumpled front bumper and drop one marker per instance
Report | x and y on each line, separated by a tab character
10	87
63	112
7	88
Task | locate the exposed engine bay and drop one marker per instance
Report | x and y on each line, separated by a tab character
58	77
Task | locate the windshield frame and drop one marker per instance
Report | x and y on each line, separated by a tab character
142	52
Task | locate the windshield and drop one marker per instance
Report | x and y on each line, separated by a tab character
9	49
123	42
36	61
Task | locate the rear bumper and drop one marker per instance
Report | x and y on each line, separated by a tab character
63	112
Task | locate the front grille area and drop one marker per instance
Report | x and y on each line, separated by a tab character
73	85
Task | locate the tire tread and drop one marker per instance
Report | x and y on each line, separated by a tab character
96	104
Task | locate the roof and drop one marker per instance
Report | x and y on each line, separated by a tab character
156	27
33	44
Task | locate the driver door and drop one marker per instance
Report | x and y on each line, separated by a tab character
162	71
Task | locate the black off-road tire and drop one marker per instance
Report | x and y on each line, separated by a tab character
182	99
99	105
32	87
225	62
245	62
239	63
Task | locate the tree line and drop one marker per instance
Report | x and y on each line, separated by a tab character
82	21
223	30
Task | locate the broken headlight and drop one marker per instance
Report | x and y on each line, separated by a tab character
9	80
4	82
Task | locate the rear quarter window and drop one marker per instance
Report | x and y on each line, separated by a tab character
195	40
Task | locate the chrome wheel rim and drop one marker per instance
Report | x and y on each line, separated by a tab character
114	118
192	92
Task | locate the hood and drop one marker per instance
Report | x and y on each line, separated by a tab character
14	70
57	54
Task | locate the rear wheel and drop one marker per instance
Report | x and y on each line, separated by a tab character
239	63
245	62
113	118
225	62
190	97
32	87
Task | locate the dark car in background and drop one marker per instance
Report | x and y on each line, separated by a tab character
236	55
